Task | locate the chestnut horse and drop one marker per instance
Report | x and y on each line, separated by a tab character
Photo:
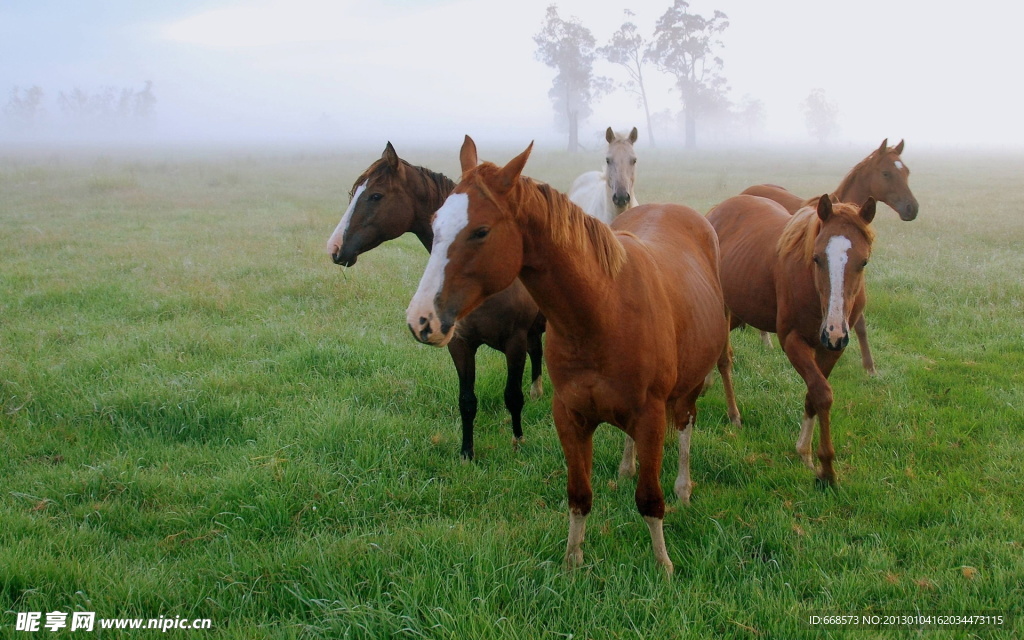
606	194
635	315
800	276
882	176
392	197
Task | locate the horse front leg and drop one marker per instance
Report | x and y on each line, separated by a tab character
817	404
648	431
577	439
464	356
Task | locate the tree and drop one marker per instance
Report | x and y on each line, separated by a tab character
628	49
569	47
684	44
24	107
821	115
751	115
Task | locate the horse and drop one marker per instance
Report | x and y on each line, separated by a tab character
635	315
800	276
606	194
393	197
882	175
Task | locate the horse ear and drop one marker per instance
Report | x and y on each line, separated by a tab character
824	207
511	171
881	149
867	212
609	135
467	156
633	135
834	198
391	156
899	148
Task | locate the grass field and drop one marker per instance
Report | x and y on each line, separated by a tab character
202	417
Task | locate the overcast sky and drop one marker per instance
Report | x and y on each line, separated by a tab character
436	69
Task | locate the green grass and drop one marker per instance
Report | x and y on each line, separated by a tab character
203	417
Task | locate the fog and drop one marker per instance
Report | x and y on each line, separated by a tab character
428	71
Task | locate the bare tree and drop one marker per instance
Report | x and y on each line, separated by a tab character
684	46
569	47
628	49
821	115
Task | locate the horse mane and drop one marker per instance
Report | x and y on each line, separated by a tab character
570	227
433	182
803	228
846	183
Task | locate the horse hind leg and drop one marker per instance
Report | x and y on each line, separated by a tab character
725	369
627	466
515	358
535	349
861	329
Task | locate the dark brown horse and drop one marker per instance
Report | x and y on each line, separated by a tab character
392	197
800	276
882	176
635	315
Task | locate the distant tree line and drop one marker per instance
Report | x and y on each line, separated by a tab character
683	45
108	110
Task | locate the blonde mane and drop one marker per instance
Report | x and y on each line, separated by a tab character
570	227
803	228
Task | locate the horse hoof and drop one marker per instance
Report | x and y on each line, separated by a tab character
627	470
824	484
517	443
537	390
736	421
574	559
467	456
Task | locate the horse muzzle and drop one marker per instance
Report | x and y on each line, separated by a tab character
907	210
834	340
429	328
621	200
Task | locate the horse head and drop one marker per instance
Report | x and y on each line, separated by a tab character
477	251
620	167
889	181
381	208
841	251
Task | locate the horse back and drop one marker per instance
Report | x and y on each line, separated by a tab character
783	196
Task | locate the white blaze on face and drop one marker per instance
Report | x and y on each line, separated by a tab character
899	165
835	251
338	237
450	219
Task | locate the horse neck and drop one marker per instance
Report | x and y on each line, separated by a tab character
854	187
430	189
550	269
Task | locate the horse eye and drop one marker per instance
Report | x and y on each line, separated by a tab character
608	160
816	260
479	234
886	175
632	161
864	265
375	197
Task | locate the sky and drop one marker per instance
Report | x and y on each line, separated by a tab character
433	70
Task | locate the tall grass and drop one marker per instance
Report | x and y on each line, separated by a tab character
203	417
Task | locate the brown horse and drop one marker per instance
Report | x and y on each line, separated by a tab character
635	315
800	276
392	197
882	176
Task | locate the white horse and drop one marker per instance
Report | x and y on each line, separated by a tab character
606	194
